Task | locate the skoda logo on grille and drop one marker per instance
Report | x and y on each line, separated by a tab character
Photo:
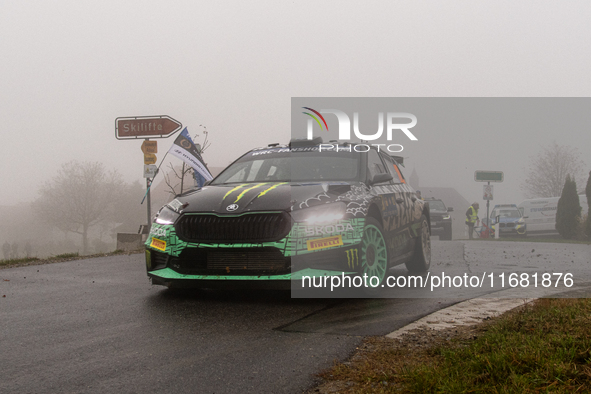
232	207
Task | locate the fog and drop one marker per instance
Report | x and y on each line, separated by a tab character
70	68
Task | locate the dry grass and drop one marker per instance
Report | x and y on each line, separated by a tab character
12	263
540	348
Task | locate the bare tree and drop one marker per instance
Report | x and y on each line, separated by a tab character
175	178
80	196
547	171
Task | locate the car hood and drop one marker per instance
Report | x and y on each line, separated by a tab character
248	197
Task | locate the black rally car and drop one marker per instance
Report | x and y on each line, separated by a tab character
281	212
440	218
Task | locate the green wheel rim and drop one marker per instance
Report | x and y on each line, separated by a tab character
374	261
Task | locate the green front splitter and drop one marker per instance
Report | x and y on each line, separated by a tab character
169	274
173	280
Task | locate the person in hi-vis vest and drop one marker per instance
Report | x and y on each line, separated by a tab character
471	218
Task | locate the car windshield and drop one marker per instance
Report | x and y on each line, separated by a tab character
508	213
436	206
284	165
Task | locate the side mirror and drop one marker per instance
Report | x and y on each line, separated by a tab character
526	217
381	178
450	209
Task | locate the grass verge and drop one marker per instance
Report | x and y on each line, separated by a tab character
57	259
542	347
24	260
534	239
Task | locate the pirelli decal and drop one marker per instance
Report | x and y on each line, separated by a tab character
158	244
323	243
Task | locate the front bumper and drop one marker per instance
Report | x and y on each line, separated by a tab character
511	229
175	263
440	227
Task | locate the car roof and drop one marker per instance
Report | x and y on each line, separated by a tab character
302	144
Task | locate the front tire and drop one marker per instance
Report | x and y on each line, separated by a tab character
374	252
421	259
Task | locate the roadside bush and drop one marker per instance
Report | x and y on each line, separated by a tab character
568	212
588	194
582	230
581	234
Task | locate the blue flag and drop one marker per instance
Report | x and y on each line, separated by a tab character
184	148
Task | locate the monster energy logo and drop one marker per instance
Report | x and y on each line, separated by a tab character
352	258
267	190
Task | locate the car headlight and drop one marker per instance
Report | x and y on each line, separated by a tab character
325	213
446	217
521	221
169	213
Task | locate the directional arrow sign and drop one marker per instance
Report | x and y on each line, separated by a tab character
149	158
146	127
150	146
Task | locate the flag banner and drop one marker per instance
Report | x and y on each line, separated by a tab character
199	180
184	148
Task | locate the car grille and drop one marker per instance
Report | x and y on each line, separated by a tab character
252	228
230	261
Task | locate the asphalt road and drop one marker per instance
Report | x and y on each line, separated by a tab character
97	325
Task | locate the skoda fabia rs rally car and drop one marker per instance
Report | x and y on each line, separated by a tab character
280	213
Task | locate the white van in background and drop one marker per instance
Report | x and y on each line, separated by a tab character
541	213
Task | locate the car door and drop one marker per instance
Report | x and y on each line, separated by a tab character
390	200
406	203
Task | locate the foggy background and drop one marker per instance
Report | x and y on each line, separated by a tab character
70	68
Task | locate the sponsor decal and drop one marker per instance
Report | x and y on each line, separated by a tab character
270	188
262	193
352	257
323	243
247	190
158	244
328	229
548	210
158	231
234	189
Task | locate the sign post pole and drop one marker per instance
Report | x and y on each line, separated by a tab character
149	148
136	127
488	176
487	207
148	184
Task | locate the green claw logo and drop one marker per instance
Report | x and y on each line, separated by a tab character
352	258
